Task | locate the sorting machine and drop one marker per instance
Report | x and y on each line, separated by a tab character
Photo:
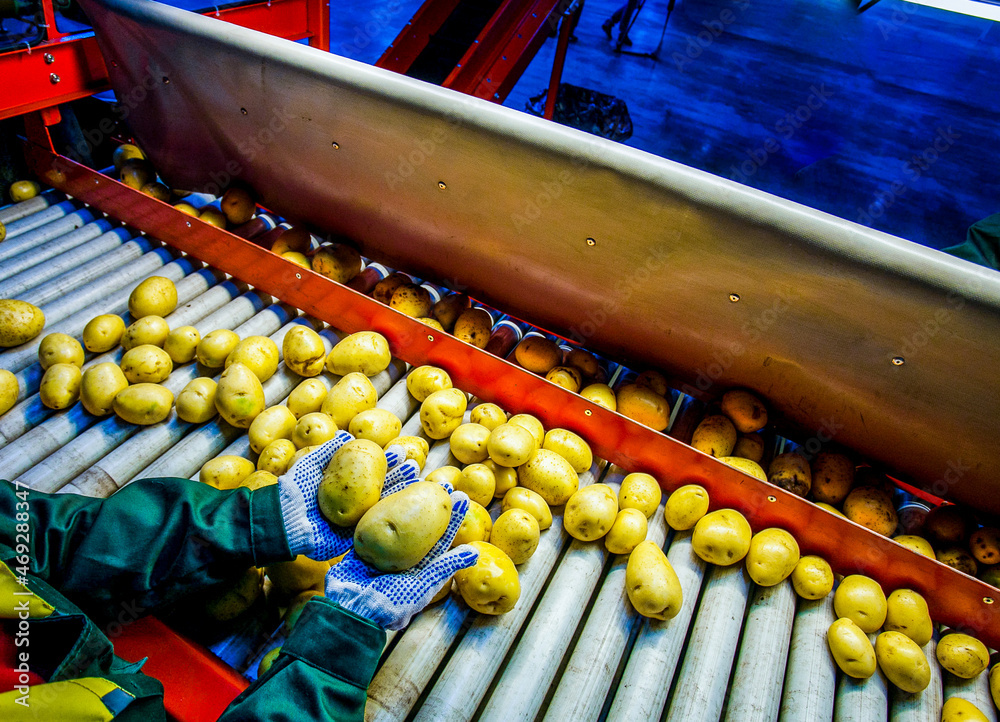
639	259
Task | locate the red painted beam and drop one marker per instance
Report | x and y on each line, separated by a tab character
413	39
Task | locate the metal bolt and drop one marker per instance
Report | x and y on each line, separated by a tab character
898	360
591	242
430	337
298	275
188	224
54	78
772	498
988	600
243	110
442	185
49	59
734	297
336	145
588	412
166	80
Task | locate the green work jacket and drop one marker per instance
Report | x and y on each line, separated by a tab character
147	546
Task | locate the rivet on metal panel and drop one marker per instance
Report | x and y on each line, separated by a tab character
49	59
54	78
188	223
298	275
496	96
114	63
166	80
772	498
336	145
734	297
591	242
442	185
430	337
97	181
243	110
988	600
588	412
898	360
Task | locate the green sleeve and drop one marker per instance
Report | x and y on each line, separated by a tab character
148	544
323	670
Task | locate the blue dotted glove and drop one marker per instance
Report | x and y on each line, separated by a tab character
307	531
391	600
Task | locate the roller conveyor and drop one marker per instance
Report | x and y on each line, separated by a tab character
573	648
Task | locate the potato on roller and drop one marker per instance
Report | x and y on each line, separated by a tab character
366	352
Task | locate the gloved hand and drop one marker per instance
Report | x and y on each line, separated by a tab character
308	532
391	600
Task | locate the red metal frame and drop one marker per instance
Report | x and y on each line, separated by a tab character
66	68
412	40
954	598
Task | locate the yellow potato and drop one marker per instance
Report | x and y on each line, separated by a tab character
583	362
832	509
337	261
416	448
640	491
225	472
449	474
259	479
99	386
491	585
299	259
600	394
812	577
956	709
298	575
531	502
303	351
902	662
267	661
352	483
366	352
537	354
721	537
962	655
215	347
136	173
551	476
474	326
313	429
791	472
511	445
293	240
504	476
441	412
196	403
124	152
832	477
448	309
851	649
591	512
146	364
917	544
749	446
155	296
9	390
906	612
187	209
627	532
432	323
273	423
959	559
515	533
23	190
746	411
276	457
685	506
984	543
478	482
772	557
488	415
387	286
423	381
307	397
258	353
304	451
643	405
715	435
532	424
872	507
862	600
238	205
745	465
143	404
239	396
102	333
398	531
59	348
213	217
477	526
148	330
567	377
376	425
19	322
60	386
571	447
468	443
653	380
995	685
411	299
182	344
652	584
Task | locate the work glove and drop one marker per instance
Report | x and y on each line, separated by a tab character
391	600
307	531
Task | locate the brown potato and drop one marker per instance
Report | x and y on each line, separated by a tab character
871	507
448	309
749	446
791	472
715	435
745	410
474	326
537	354
985	545
832	477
